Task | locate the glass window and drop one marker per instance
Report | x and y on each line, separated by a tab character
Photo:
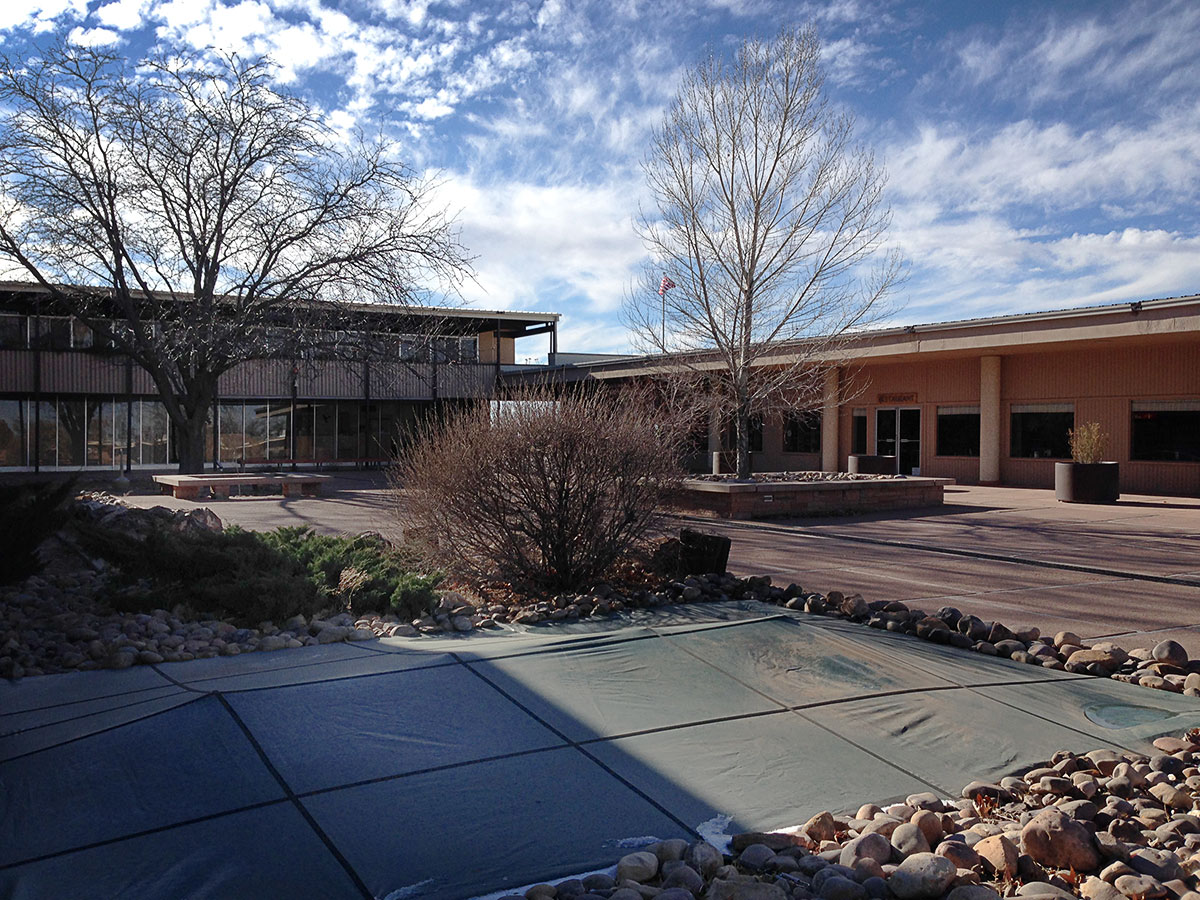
802	432
47	432
53	333
302	418
155	424
729	435
81	335
368	426
858	431
100	432
14	433
469	349
257	443
13	333
1039	430
72	432
279	431
1167	430
325	428
958	431
230	435
347	431
120	431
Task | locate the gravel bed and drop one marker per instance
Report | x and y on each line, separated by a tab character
1103	825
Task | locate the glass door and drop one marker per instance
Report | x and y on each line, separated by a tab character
898	433
910	441
885	432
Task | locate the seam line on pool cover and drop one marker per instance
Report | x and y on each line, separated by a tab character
140	834
971	554
81	716
295	801
575	744
826	728
99	731
456	660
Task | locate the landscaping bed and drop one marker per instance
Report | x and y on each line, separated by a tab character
778	494
359	589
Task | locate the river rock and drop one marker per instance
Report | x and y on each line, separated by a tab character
922	875
1054	839
999	856
641	866
820	827
1170	652
868	846
909	839
704	858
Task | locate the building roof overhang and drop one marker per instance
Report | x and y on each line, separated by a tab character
1145	322
22	296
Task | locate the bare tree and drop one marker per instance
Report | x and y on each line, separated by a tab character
770	222
195	217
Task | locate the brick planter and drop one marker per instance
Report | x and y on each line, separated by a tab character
770	499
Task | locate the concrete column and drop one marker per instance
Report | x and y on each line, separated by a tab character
829	422
989	420
714	438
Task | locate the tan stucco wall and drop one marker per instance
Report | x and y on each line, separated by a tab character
1101	381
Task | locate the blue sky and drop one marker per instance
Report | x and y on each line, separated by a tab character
1040	155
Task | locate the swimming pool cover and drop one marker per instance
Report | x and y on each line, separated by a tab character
450	767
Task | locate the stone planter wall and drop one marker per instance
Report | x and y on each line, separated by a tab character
762	500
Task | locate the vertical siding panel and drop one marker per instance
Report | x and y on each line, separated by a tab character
16	371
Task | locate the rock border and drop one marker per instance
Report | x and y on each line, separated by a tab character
49	623
1102	825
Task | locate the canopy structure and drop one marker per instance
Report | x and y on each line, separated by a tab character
448	768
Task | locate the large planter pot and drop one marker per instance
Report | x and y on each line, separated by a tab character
865	464
1087	482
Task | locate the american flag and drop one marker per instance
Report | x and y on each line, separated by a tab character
666	285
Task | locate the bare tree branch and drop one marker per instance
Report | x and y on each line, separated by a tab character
218	215
771	222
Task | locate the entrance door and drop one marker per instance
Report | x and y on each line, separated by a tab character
898	433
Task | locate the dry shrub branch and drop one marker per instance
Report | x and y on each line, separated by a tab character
544	491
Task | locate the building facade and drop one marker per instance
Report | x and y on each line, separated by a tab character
990	401
67	404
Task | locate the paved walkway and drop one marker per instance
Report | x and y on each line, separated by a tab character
1130	571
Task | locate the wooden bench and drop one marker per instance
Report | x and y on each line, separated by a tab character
188	487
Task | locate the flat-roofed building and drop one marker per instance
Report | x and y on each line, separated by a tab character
990	400
67	403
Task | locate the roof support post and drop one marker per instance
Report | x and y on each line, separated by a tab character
989	420
829	421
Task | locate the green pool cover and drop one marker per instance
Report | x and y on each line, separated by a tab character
450	767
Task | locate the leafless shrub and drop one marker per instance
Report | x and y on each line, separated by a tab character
546	491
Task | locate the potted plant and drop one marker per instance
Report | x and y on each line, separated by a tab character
1087	478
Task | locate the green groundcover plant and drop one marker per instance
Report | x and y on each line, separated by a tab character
250	577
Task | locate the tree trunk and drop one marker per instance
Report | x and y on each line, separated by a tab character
191	445
743	439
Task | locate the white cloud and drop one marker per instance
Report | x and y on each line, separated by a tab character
40	15
538	244
93	37
123	15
